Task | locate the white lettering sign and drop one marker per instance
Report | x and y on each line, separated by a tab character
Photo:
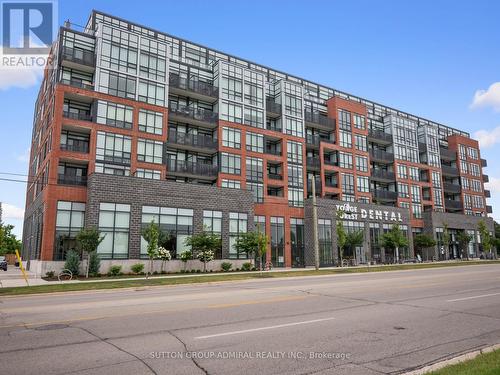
351	212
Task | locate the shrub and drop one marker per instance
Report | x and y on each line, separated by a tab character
137	268
226	266
193	271
198	271
50	274
115	270
237	269
94	263
247	266
73	262
254	269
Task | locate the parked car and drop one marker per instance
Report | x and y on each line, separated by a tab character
3	263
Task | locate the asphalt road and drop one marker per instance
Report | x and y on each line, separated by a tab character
386	322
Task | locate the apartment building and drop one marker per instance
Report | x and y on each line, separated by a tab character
133	125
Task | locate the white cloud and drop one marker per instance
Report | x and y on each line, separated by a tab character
488	138
493	185
12	212
488	98
25	156
22	77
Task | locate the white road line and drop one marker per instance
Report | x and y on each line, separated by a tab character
262	328
473	297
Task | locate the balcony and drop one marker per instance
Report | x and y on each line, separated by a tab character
489	209
381	175
78	58
80	116
313	162
317	187
193	88
449	171
195	116
273	109
379	137
447	154
314	140
191	141
318	120
452	205
382	157
192	169
77	83
76	146
452	188
331	182
274	176
486	178
385	195
487	193
64	179
484	163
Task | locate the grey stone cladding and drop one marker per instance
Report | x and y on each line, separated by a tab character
140	192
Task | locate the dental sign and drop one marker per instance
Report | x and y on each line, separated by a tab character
352	212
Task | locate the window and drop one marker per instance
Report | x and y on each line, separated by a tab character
294	127
149	151
257	190
436	179
114	221
403	190
295	176
212	221
293	105
117	84
255	142
345	139
347	183
416	210
237	225
231	89
344	120
477	201
148	174
231	137
361	163
345	160
467	201
363	184
277	241
231	184
294	152
113	114
402	171
325	242
231	112
254	95
359	122
360	141
117	170
152	93
476	185
119	49
472	152
474	169
260	223
113	148
254	169
152	67
254	117
416	194
230	163
438	197
150	122
414	173
295	197
364	200
462	152
465	183
404	205
464	166
176	222
70	218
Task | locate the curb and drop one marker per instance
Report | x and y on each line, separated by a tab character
453	361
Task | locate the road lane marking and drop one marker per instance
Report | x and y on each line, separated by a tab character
473	297
262	328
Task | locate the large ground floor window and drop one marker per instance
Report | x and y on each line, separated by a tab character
69	221
114	222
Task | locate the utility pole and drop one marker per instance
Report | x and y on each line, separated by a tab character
315	223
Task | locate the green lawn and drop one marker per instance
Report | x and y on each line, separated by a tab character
216	277
484	364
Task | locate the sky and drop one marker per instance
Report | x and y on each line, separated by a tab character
435	59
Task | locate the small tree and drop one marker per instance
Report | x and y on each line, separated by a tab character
253	244
394	239
354	239
185	256
151	233
341	239
94	263
423	241
72	262
88	241
446	241
464	239
486	239
204	244
164	256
